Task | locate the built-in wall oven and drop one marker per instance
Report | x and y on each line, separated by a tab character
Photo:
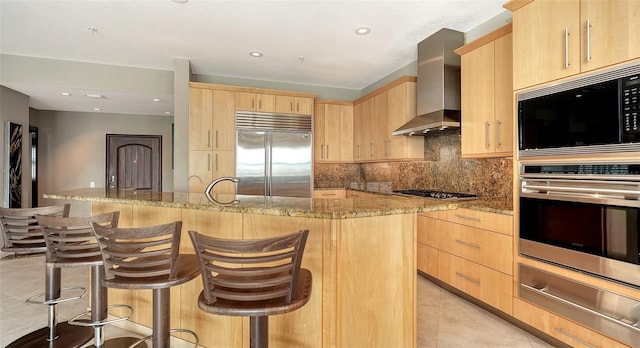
583	216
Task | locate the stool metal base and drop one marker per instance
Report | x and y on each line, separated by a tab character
120	342
68	336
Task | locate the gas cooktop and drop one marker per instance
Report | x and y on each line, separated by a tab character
436	194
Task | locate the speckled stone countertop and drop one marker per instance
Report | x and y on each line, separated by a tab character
340	208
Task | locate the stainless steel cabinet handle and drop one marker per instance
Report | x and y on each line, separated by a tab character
371	150
468	218
560	330
321	151
588	27
475	281
473	245
216	139
566	48
259	104
216	162
327	151
208	139
209	162
498	141
486	137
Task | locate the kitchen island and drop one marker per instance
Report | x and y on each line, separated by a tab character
361	252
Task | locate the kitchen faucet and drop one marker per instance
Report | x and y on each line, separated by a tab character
207	191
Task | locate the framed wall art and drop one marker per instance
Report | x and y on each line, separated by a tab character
14	157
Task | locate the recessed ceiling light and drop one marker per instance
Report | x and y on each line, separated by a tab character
99	96
363	31
66	94
97	109
93	30
255	54
156	99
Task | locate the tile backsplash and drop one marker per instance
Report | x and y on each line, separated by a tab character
443	169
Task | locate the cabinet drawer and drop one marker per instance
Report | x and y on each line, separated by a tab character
487	248
427	231
487	285
329	193
560	328
500	223
427	259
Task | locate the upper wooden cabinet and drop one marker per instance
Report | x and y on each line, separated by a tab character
487	95
333	131
294	105
553	39
247	101
211	119
377	115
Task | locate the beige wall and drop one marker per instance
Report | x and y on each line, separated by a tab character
72	148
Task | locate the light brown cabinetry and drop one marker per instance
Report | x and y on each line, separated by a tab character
487	95
470	250
247	101
330	194
294	105
333	131
553	39
377	115
211	138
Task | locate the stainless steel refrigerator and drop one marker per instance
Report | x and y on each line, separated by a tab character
273	154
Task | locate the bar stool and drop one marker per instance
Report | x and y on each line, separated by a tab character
23	236
70	244
253	277
148	258
20	230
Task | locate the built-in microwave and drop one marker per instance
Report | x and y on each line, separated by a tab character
593	114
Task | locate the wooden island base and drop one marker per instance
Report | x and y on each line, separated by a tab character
364	278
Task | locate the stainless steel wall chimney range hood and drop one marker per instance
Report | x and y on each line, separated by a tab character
438	88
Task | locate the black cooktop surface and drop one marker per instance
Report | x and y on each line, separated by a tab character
436	194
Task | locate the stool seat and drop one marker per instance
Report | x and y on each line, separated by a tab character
186	270
300	296
20	230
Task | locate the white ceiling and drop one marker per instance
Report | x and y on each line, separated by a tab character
303	42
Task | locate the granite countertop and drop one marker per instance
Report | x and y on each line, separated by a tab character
339	208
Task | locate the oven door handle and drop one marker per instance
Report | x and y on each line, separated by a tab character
587	190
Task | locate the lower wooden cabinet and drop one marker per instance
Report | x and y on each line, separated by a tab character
560	328
330	194
470	250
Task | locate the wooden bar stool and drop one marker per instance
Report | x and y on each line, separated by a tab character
71	243
23	236
254	277
147	258
20	230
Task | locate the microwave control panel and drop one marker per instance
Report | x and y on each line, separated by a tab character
631	107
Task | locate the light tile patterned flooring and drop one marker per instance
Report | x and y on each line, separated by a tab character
444	320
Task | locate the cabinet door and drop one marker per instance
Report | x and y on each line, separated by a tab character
504	113
303	106
346	133
612	32
223	163
366	134
477	100
381	134
319	133
332	132
200	118
224	120
285	104
265	102
542	32
358	137
200	170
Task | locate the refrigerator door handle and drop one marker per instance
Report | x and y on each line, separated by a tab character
267	164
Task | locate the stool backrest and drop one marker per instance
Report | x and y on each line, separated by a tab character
71	238
250	269
20	228
140	252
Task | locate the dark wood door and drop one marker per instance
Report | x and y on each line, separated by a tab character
134	161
